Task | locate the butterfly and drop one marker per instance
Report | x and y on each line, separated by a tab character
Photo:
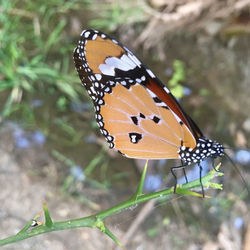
135	111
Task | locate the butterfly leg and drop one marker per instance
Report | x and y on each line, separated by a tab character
172	171
184	172
202	188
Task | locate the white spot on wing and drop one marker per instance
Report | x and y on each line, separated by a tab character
98	76
83	32
107	69
151	93
126	59
86	35
100	102
176	116
93	90
118	63
134	59
167	90
133	138
150	73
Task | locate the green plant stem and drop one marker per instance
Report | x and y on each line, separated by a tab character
141	183
95	220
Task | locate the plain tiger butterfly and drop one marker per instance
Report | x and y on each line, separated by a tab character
135	111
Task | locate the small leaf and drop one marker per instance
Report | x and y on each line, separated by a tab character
141	183
48	220
190	193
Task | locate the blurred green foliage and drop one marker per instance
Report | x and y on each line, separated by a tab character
36	53
177	77
117	13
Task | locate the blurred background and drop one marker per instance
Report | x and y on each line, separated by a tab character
50	145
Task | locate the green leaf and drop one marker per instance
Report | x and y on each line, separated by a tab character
141	183
48	220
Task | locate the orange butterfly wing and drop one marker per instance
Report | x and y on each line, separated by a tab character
135	112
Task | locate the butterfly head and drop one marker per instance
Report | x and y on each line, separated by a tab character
204	148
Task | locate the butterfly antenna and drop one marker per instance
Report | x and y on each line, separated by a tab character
229	148
238	171
236	148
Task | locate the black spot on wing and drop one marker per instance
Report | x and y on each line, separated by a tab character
157	99
142	116
165	107
156	119
134	120
135	137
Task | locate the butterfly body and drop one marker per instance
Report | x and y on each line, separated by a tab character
135	112
205	148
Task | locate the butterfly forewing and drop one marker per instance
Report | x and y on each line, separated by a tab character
135	112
